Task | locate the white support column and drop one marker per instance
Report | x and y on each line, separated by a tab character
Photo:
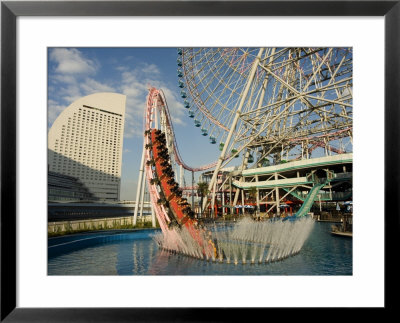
235	199
177	176
223	200
155	116
180	182
139	186
193	191
278	209
142	198
230	191
320	206
233	126
153	216
257	197
213	205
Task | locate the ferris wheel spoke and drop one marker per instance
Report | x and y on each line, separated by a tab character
294	92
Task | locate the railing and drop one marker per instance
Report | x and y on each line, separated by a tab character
326	196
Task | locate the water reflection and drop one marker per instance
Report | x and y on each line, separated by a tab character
322	254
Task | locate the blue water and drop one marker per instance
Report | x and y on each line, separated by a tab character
135	253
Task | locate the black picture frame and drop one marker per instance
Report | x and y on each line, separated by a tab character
11	10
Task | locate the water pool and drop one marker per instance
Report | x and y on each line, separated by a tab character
136	253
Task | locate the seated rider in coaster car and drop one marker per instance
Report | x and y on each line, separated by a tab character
157	131
178	193
160	146
183	202
150	162
162	150
161	141
167	168
165	163
160	138
148	146
155	181
173	223
162	201
171	182
175	186
164	157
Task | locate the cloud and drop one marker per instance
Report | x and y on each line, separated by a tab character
75	76
61	78
175	106
54	109
151	69
92	86
71	61
135	84
71	77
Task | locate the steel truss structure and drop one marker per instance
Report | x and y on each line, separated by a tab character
269	105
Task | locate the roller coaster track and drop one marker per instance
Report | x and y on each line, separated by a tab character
157	98
173	212
182	232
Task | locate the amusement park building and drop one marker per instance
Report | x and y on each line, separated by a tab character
85	142
66	188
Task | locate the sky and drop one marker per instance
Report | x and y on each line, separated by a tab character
77	72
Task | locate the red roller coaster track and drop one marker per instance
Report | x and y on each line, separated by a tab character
171	209
156	98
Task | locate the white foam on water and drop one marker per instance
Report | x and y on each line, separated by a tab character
247	241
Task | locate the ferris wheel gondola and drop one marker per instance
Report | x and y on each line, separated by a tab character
269	105
293	93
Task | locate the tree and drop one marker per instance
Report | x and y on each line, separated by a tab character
253	195
202	190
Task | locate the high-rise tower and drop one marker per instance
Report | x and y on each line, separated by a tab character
85	142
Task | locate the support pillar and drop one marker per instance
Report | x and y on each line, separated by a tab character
180	175
230	193
139	186
277	198
142	198
257	197
234	122
223	201
193	190
243	202
153	216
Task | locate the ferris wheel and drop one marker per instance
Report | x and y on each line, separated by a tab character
270	104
